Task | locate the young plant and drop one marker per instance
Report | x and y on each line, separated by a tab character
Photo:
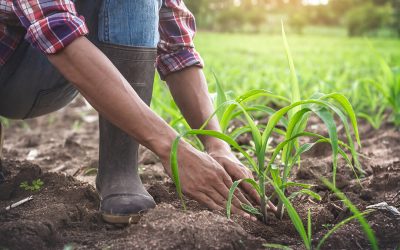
34	187
389	86
288	122
369	103
306	234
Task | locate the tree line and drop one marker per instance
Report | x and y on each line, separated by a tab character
360	17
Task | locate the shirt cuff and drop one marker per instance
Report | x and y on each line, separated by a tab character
55	32
178	60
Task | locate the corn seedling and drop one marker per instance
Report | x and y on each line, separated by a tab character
292	120
358	215
388	84
369	104
306	232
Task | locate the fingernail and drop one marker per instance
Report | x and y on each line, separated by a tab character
253	218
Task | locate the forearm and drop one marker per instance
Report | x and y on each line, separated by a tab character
109	93
189	90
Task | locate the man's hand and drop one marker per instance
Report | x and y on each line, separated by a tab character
205	180
237	171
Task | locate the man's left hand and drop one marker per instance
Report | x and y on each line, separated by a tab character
238	171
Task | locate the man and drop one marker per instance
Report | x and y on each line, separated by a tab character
46	59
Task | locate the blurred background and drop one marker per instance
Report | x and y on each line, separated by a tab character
346	46
356	17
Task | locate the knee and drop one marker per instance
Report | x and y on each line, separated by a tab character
25	105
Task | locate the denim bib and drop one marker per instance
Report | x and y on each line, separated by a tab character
129	22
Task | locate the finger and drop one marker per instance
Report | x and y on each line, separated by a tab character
272	207
235	210
220	197
221	201
238	194
224	192
237	172
251	192
207	201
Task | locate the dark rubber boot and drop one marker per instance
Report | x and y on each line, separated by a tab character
123	196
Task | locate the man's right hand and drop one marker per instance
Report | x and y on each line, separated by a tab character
205	180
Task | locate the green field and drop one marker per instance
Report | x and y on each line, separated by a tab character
324	64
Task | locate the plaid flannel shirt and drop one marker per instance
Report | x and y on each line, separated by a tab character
50	26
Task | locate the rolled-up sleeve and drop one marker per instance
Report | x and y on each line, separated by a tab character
177	29
50	25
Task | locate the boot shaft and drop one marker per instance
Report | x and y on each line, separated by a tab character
118	152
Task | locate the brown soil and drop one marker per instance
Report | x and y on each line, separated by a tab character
61	150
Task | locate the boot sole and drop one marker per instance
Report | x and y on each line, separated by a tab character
121	219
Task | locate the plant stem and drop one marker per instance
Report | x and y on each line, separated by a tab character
280	206
263	198
280	209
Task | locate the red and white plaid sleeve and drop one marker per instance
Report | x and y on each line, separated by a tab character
177	29
51	25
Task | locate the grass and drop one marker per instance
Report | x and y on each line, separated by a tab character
325	63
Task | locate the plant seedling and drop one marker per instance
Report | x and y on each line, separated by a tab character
306	234
292	120
34	187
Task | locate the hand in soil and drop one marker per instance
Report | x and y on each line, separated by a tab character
205	180
238	171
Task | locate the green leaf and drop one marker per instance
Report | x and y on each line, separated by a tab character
350	112
294	83
230	197
260	108
339	225
232	191
275	175
248	96
295	120
344	102
221	97
174	156
225	105
328	120
254	130
281	145
175	170
274	119
364	224
250	209
227	139
307	192
297	184
301	150
294	216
